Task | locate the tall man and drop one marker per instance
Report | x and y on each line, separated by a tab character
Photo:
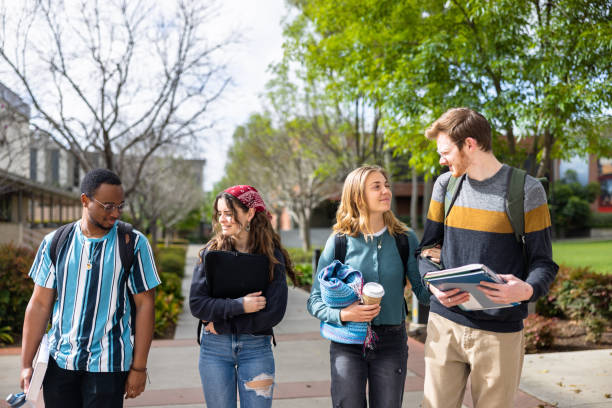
486	344
93	359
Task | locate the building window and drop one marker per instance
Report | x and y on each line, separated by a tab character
33	168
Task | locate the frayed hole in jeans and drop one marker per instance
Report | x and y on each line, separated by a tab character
261	384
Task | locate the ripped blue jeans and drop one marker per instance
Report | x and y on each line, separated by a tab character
243	362
383	369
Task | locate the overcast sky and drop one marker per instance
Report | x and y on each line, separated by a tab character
259	24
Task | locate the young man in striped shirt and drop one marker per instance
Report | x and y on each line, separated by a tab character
93	360
487	345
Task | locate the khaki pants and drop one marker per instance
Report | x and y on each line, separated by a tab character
453	352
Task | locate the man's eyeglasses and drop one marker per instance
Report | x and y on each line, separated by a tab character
110	207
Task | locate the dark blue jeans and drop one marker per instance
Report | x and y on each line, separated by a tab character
76	389
384	369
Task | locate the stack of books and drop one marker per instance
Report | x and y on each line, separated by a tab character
468	278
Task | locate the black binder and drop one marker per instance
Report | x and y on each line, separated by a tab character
235	274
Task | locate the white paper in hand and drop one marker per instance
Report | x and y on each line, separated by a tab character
40	367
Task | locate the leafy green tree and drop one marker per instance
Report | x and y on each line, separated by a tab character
539	70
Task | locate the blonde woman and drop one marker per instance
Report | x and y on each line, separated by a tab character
371	230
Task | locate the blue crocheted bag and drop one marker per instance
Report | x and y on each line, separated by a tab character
340	286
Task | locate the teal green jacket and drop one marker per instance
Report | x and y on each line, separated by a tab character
382	265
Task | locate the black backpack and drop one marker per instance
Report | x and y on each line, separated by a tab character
403	247
126	253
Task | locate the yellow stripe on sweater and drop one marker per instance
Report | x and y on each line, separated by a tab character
479	220
436	211
537	219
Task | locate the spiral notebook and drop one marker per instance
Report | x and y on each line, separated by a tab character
235	274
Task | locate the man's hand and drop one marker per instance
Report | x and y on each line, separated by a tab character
210	327
432	253
359	313
135	383
26	376
451	297
514	290
253	302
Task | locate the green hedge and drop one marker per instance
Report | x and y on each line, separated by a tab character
171	260
600	220
299	255
15	289
171	283
167	311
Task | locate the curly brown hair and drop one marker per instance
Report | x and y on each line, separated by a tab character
262	237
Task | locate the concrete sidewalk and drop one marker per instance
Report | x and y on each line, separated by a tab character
574	379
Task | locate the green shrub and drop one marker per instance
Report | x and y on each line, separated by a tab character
5	335
171	262
172	249
171	283
569	203
167	311
299	255
539	333
15	288
304	274
580	294
600	220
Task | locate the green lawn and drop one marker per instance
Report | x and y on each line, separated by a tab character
596	254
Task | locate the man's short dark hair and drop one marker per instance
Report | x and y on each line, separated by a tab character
94	178
461	123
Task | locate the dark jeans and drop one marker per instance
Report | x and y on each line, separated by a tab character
384	369
76	389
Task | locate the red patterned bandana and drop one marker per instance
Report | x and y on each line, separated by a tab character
248	196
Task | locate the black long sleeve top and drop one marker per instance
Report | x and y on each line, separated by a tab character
228	315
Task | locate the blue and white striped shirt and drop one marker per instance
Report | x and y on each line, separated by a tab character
91	316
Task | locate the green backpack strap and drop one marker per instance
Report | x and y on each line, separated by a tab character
515	202
452	191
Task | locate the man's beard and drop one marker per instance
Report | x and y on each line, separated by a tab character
98	225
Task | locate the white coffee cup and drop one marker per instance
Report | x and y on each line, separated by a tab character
372	293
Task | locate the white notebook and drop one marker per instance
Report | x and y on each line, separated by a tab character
40	367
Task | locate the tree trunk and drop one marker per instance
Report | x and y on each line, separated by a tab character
427	198
153	228
304	221
545	164
414	198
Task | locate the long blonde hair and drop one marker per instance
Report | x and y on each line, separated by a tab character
352	217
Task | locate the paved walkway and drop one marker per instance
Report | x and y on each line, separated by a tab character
576	379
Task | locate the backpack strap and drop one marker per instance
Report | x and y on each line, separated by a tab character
452	191
127	238
58	241
515	202
403	247
126	244
340	247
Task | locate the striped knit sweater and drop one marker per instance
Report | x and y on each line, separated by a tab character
477	230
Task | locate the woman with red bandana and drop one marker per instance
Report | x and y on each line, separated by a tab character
235	349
